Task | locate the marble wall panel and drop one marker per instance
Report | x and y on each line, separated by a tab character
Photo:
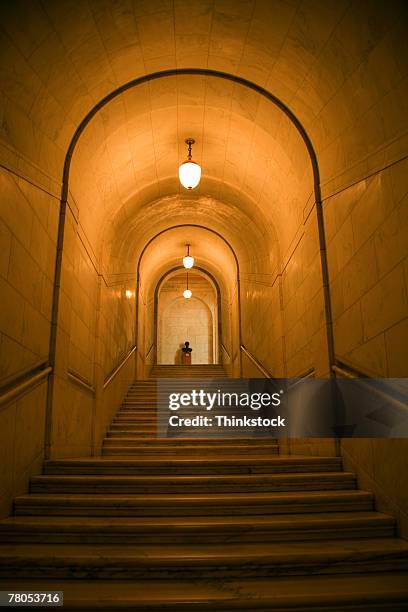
367	254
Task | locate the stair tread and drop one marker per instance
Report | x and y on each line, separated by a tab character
169	498
220	441
117	450
195	477
281	551
140	446
99	525
235	459
137	430
227	464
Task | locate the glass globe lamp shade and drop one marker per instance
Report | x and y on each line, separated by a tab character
187	293
188	261
189	174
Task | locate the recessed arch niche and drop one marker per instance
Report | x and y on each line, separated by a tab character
197	320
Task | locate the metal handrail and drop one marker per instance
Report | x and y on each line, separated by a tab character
349	371
23	386
225	350
347	374
363	377
79	380
150	350
256	362
119	367
301	378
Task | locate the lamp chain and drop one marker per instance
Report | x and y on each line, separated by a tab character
189	142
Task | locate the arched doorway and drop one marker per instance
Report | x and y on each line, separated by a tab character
180	319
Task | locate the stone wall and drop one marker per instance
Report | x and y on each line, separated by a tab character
28	229
367	231
95	332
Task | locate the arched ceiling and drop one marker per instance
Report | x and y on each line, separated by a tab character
178	276
226	218
196	280
331	62
166	251
251	156
340	66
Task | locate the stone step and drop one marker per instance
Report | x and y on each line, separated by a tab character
200	530
193	451
194	465
150	429
131	427
142	422
148	400
148	383
235	483
134	414
132	421
179	384
367	592
139	417
189	371
186	375
187	504
141	393
192	366
197	375
135	407
139	403
134	434
142	403
205	562
221	443
186	383
134	424
135	411
138	433
138	407
189	445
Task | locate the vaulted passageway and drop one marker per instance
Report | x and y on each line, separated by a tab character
299	223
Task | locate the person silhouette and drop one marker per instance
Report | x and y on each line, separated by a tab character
186	348
186	353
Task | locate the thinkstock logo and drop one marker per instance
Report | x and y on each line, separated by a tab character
284	408
214	408
207	400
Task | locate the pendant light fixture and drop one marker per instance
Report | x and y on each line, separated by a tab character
188	261
189	171
187	293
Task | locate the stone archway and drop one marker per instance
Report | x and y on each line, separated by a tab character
248	85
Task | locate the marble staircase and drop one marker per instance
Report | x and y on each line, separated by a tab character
189	371
208	524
